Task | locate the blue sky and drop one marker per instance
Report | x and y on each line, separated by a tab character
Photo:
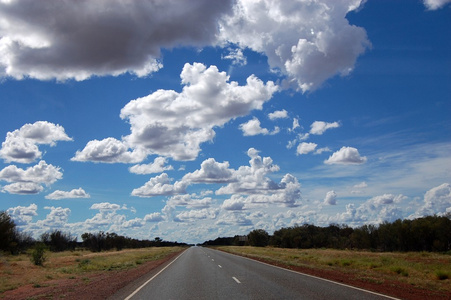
190	121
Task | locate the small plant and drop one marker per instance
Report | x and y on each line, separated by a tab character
441	275
38	256
400	271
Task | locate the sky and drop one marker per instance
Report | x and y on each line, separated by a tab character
192	120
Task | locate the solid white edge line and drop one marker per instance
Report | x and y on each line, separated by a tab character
144	284
339	283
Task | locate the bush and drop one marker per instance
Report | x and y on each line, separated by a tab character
441	275
38	256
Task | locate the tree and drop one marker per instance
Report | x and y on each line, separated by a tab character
258	238
59	241
7	232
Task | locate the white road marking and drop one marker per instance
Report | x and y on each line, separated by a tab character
316	277
138	289
237	281
212	259
220	266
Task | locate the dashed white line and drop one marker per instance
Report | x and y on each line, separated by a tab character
220	266
212	259
237	281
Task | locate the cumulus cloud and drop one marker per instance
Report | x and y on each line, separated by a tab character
23	215
75	193
435	4
23	188
253	127
80	39
376	210
436	201
109	150
305	148
160	186
173	124
196	214
30	180
346	156
106	206
278	114
319	127
331	198
308	41
189	201
20	145
56	218
153	217
252	179
158	166
211	172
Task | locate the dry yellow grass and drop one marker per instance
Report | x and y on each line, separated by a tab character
16	271
425	270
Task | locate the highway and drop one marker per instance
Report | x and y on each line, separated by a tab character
203	273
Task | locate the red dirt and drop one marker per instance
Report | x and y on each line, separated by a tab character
104	284
99	285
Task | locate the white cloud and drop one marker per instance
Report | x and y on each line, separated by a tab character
331	198
435	4
253	127
319	127
153	217
361	185
436	201
278	114
160	186
295	124
21	144
56	218
196	214
376	210
305	148
23	215
321	150
236	202
158	166
309	41
252	179
109	150
106	206
237	57
346	156
23	188
29	181
174	124
358	188
75	193
80	39
211	172
189	201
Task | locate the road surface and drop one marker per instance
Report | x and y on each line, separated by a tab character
203	273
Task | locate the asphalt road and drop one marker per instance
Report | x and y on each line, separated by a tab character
202	273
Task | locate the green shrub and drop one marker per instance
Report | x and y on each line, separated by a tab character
38	256
441	275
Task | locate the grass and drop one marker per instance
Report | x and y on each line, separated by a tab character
16	271
423	270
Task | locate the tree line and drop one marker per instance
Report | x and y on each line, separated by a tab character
431	233
15	242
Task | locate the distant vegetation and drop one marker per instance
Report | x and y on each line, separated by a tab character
16	242
432	233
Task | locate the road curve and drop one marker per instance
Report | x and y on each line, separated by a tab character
203	273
